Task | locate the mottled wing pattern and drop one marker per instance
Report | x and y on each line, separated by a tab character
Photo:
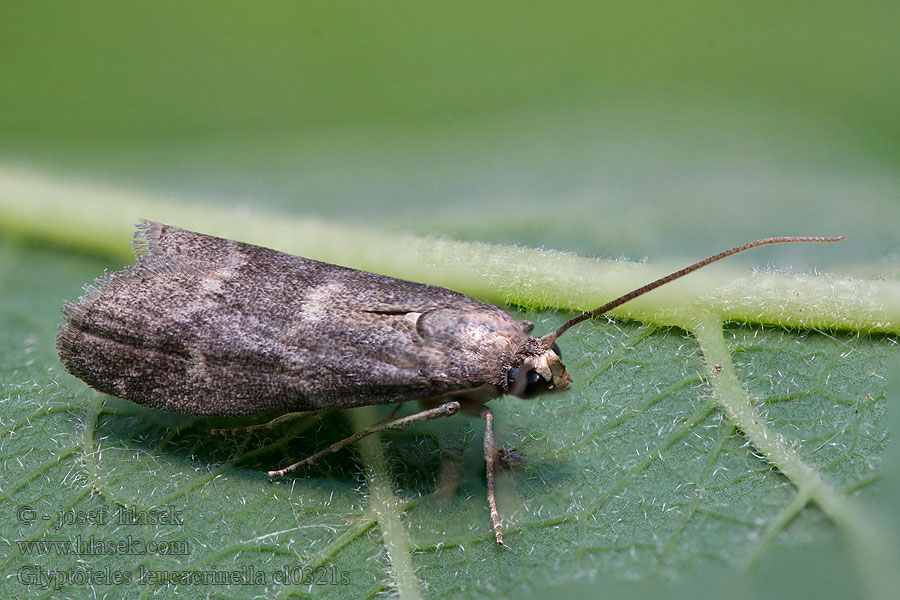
208	326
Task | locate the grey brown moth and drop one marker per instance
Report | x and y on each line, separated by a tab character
202	325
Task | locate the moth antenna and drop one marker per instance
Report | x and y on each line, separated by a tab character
552	337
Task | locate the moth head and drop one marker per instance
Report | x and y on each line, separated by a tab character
538	372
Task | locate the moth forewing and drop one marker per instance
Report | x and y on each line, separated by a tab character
207	326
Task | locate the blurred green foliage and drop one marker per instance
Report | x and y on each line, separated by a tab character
602	128
109	71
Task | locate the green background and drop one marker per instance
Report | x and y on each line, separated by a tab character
604	128
607	129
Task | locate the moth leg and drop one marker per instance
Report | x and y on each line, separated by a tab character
444	410
267	425
490	458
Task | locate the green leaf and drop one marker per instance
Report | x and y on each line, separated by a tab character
675	453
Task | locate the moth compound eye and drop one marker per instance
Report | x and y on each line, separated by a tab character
555	347
532	385
511	377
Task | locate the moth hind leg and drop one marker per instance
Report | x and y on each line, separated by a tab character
274	423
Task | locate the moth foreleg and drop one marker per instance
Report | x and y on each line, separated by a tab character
444	410
490	458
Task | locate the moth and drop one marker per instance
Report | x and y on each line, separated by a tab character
202	325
